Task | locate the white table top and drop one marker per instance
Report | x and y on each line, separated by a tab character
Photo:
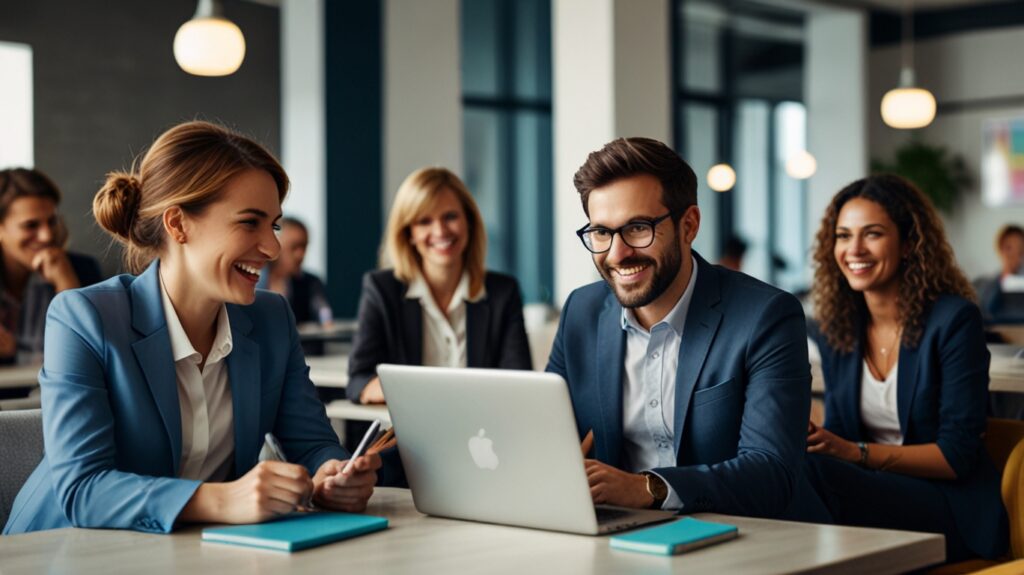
328	370
417	543
19	376
345	409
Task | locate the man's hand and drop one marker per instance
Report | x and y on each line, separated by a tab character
611	486
372	393
346	492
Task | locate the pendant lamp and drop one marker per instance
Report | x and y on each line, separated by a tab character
209	44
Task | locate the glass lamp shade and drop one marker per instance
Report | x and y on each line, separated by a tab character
907	108
721	177
209	47
801	165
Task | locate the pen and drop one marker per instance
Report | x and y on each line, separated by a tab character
367	438
278	453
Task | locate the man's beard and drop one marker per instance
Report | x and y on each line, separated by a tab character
665	273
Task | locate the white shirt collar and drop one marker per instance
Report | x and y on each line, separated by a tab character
181	345
676	318
418	289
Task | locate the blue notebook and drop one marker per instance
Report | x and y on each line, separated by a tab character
677	537
297	531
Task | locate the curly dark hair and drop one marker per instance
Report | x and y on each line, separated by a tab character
928	270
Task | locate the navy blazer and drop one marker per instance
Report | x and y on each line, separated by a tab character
391	328
941	396
111	414
743	389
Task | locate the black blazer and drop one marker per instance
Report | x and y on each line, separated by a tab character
391	328
941	395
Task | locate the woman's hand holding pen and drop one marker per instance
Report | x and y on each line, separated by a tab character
270	489
335	489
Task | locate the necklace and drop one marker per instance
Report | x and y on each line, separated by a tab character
884	350
881	368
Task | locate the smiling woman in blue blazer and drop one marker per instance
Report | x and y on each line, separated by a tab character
906	374
157	389
437	305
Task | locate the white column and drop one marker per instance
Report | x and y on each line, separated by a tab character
612	79
836	98
422	89
303	118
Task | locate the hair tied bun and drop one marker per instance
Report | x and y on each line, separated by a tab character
121	195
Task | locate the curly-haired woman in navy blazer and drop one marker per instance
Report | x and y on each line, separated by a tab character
437	305
158	389
906	374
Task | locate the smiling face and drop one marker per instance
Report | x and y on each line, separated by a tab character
231	241
31	224
640	276
867	248
441	233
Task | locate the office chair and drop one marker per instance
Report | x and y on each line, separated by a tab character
1004	441
21	450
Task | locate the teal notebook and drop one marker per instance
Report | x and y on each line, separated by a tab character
297	531
673	538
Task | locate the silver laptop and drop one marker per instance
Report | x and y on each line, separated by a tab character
498	446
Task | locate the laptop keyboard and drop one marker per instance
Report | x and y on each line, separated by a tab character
606	515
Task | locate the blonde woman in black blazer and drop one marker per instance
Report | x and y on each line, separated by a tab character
436	304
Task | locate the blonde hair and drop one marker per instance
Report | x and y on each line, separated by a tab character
417	194
188	166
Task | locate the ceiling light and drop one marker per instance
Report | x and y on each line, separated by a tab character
721	177
908	106
801	165
209	44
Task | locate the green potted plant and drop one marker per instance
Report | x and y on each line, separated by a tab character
941	175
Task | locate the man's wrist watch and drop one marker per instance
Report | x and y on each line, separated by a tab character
656	488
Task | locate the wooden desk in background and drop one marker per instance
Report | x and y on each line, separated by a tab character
417	543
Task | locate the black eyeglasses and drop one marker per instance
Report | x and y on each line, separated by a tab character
638	233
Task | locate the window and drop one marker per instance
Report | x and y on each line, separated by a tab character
506	85
739	86
16	145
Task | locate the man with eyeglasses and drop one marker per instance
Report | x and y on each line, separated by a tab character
693	378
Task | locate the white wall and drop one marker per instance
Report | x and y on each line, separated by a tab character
422	89
962	67
836	98
611	79
303	122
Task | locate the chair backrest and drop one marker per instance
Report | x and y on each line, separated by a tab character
1005	443
21	450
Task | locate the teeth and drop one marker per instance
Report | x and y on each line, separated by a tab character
859	265
444	244
248	269
630	271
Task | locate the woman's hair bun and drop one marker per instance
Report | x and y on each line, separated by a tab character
116	205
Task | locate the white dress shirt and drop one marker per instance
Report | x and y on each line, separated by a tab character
444	337
649	389
878	410
207	432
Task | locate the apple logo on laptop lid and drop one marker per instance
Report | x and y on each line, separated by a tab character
481	448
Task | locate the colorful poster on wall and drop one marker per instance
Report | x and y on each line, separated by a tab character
1002	162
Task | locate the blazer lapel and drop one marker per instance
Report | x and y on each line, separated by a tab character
702	322
153	352
478	318
847	391
246	387
906	384
610	354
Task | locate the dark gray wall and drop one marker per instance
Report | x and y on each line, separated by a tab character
106	84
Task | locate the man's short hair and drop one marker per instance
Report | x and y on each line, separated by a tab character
1007	231
627	157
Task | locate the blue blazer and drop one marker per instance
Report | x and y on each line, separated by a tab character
941	397
743	389
111	418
